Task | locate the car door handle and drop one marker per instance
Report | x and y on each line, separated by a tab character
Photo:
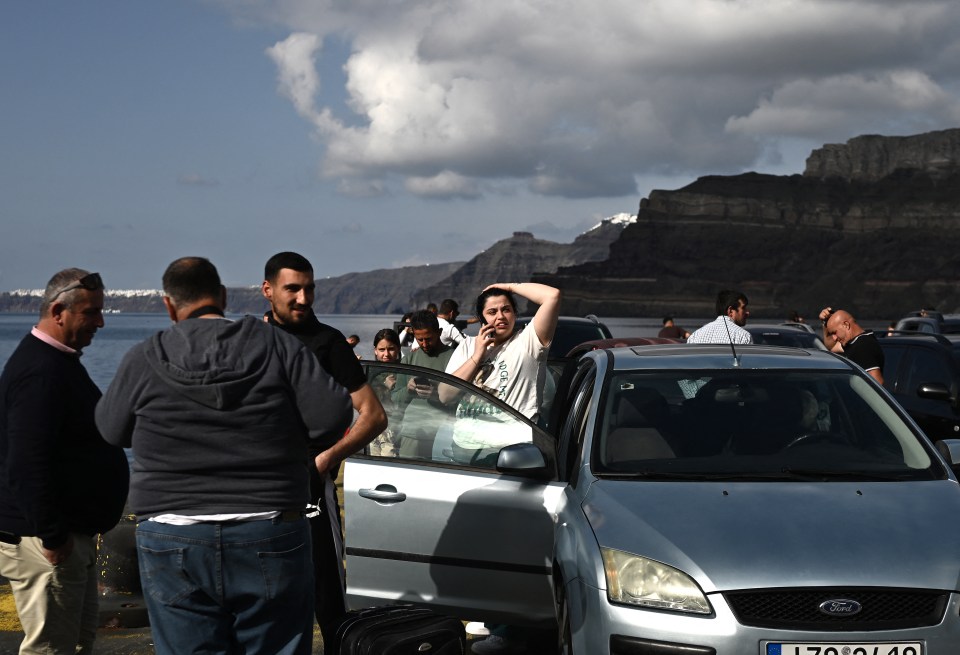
384	493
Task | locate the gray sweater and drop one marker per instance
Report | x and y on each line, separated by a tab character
218	414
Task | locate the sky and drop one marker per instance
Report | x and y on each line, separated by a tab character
372	134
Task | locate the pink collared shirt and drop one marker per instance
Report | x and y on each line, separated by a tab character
47	339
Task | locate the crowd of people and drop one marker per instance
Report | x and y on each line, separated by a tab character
236	430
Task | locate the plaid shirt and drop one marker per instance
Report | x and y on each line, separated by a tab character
717	332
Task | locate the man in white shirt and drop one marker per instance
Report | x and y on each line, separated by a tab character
732	314
450	334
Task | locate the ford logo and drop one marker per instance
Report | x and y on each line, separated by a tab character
840	607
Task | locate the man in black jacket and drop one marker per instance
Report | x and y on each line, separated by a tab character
289	287
60	483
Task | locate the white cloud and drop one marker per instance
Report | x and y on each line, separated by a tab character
444	185
574	99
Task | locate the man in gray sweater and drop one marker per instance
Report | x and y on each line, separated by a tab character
218	414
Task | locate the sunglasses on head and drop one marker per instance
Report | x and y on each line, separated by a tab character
90	282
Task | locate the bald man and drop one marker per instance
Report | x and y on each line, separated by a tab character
843	335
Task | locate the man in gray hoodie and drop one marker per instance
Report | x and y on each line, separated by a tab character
218	415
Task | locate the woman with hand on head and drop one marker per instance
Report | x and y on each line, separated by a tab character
511	365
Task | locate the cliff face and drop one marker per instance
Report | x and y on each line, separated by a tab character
872	226
872	158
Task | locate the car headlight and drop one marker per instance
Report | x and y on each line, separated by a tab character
635	580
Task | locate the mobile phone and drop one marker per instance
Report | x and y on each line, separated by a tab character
421	382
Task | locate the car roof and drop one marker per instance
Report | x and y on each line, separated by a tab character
618	342
714	357
949	339
775	327
569	320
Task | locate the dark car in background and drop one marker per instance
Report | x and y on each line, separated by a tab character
572	331
929	322
922	371
792	336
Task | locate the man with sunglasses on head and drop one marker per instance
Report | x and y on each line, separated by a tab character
61	484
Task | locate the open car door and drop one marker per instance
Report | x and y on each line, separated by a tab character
437	514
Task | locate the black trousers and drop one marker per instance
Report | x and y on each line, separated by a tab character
326	531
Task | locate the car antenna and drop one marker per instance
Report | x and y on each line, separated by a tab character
736	358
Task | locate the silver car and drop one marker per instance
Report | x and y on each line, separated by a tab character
694	499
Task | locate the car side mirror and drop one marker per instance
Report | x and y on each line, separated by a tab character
523	459
950	449
935	391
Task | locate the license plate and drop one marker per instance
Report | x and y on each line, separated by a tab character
886	648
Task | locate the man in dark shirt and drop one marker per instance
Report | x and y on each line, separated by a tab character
671	330
843	335
289	287
60	483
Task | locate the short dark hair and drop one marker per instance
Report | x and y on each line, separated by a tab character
667	319
490	293
191	279
424	319
449	305
292	260
729	298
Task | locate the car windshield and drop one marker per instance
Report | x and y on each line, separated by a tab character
755	425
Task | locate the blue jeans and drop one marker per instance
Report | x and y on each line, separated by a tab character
234	587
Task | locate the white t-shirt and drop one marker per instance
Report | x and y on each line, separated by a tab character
450	334
518	369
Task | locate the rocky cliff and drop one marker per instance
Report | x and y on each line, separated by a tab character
518	259
872	225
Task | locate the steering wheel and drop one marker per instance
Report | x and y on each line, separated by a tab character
816	436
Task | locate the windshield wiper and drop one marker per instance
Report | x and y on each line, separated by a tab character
859	476
687	476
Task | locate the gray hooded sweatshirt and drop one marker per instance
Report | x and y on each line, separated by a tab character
218	414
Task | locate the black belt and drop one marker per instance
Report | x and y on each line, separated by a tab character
9	538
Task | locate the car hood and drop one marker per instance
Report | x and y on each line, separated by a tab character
752	535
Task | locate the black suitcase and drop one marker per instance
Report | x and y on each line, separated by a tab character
398	630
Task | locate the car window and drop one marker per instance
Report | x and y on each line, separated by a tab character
755	424
469	430
575	426
926	366
892	358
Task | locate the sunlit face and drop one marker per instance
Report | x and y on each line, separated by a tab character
498	312
428	339
386	351
740	314
82	319
290	296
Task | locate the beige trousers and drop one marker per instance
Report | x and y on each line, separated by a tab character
57	605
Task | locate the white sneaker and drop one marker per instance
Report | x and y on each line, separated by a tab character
477	629
494	645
